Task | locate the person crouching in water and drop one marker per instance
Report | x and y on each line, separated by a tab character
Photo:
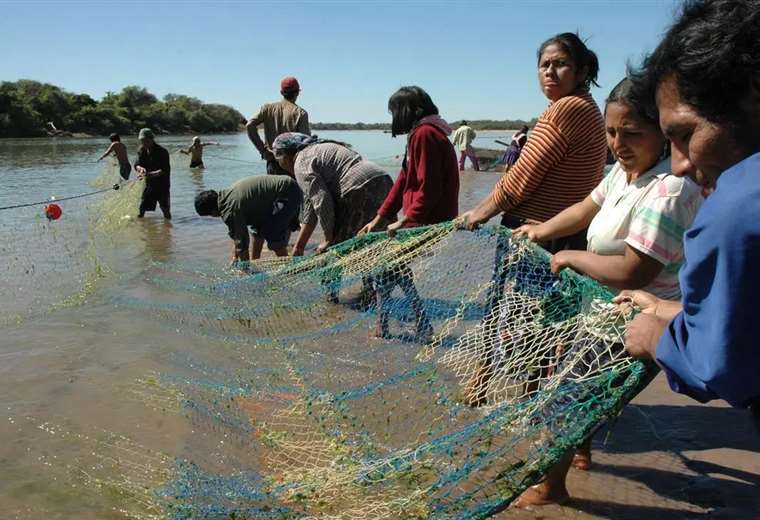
266	203
427	189
152	164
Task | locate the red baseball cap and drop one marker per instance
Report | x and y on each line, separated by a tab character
289	84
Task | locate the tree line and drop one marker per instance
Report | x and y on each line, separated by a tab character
26	107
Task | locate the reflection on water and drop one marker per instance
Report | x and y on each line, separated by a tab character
74	364
157	236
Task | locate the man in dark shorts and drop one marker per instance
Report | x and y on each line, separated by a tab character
266	203
120	151
152	164
195	151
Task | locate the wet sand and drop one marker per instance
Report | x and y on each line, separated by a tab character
667	458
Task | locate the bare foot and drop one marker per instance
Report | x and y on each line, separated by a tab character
542	494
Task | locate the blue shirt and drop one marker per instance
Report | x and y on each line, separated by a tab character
711	350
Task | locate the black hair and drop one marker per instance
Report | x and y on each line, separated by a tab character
712	52
464	123
625	93
524	129
207	203
407	106
583	57
114	138
290	95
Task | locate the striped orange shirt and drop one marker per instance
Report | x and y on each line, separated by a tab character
561	163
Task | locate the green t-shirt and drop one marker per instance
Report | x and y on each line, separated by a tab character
253	201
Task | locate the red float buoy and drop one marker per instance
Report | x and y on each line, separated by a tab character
53	211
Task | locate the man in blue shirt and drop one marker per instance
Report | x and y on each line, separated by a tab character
705	75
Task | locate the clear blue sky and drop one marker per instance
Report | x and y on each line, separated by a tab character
476	59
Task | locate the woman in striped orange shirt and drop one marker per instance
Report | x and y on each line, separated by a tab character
561	163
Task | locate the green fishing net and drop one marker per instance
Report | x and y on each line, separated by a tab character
436	374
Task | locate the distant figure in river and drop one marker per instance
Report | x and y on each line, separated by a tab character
515	147
196	152
278	118
153	165
463	138
120	151
266	203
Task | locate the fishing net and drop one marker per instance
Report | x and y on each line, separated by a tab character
436	374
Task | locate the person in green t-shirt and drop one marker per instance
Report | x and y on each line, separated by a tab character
265	203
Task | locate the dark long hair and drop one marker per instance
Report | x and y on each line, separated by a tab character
407	106
582	56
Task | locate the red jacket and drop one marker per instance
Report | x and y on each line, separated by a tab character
427	188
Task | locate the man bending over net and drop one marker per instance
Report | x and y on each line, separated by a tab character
266	203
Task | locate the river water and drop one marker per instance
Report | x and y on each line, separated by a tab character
72	342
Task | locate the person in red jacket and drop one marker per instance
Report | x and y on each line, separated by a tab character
426	190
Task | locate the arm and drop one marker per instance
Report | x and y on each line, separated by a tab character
110	149
424	151
632	270
320	204
308	220
185	151
709	350
539	156
211	143
303	238
252	128
303	125
139	168
568	222
392	204
165	168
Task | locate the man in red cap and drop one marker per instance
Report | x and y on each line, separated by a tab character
278	118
